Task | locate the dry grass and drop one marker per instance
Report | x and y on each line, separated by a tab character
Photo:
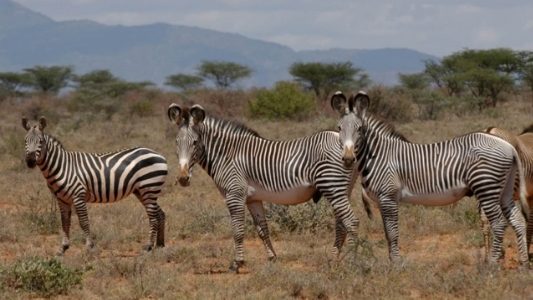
441	246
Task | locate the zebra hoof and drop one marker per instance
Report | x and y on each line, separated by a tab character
235	266
148	248
273	258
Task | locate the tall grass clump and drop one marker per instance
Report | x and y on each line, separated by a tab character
45	277
285	101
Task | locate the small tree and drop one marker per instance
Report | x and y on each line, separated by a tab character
184	82
11	82
223	73
286	100
49	79
416	81
96	77
323	78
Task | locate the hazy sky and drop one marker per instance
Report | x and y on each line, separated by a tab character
435	26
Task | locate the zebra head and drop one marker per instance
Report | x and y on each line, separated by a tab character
34	141
189	146
352	113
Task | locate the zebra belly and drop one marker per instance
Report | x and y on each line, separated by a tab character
437	199
295	195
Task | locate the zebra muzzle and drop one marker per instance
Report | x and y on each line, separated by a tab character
184	181
348	157
31	161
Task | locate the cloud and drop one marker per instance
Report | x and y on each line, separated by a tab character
437	27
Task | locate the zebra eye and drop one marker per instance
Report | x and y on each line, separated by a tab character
195	143
339	128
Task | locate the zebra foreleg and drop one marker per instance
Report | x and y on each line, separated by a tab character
389	213
235	205
66	213
83	218
258	215
344	216
340	238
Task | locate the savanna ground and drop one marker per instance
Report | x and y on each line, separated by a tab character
442	247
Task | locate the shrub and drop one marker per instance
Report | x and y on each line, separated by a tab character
47	277
430	104
142	108
390	104
307	217
285	101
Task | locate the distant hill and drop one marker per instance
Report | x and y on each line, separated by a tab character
152	52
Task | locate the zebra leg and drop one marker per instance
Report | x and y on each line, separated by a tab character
154	213
346	223
235	205
66	213
258	215
498	224
389	213
83	218
340	237
516	218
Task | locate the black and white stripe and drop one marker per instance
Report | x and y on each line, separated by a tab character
395	170
249	169
76	178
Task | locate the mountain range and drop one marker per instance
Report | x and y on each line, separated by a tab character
152	52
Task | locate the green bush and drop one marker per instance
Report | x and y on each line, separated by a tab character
142	108
285	101
390	104
46	277
308	217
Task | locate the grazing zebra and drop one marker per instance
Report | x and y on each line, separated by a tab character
248	170
76	178
395	170
523	144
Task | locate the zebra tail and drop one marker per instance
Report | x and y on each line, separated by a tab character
523	200
366	204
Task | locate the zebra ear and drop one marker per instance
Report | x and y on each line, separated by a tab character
360	102
42	123
25	124
198	114
338	102
174	113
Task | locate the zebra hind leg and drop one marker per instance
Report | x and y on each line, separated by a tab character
257	211
485	228
66	213
83	217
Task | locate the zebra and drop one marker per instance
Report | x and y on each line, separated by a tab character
395	170
76	178
523	143
249	170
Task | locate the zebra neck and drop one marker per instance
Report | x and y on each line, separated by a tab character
221	140
52	153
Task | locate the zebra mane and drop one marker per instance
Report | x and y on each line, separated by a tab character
54	140
384	127
232	126
528	129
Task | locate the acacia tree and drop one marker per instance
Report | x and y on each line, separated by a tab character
11	82
223	73
484	73
184	82
323	78
49	79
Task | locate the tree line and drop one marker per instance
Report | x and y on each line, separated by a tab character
477	76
